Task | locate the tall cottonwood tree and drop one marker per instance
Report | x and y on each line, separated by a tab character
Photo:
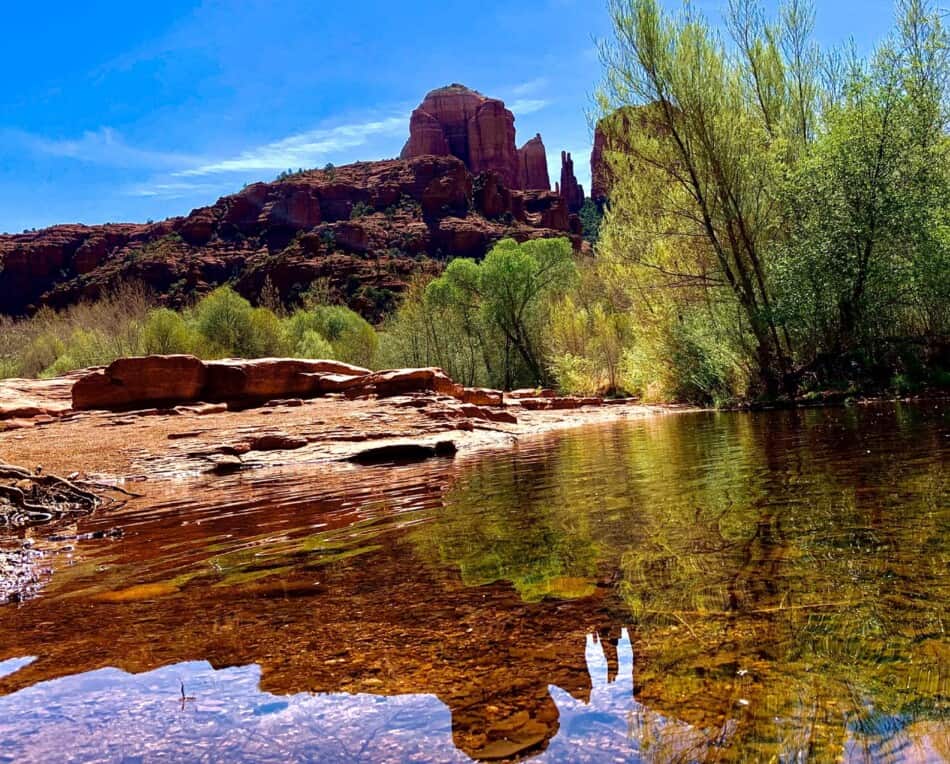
722	125
797	200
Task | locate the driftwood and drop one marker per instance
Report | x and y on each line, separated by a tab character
32	497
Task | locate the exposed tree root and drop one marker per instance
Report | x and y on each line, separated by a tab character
35	497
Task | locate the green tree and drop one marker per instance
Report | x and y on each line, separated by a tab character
165	332
720	127
514	282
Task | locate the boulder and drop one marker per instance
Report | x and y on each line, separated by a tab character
404	452
402	381
267	378
133	382
488	414
480	396
531	392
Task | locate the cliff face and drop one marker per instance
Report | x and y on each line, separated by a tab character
533	166
460	122
366	227
457	121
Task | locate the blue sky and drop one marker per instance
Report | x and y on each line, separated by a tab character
112	110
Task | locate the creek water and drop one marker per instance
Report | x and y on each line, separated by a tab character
697	587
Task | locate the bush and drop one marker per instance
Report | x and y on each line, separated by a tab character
41	354
312	345
166	332
225	319
351	337
85	347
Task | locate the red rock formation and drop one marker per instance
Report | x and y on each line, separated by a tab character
569	188
260	378
599	181
130	382
426	136
533	166
491	141
365	224
462	122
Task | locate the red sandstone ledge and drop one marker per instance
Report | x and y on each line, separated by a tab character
165	416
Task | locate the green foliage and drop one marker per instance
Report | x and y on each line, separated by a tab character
221	324
224	319
351	337
360	210
587	335
312	345
167	332
84	347
484	323
776	215
591	218
41	354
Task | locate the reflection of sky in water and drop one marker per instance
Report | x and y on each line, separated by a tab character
193	712
108	715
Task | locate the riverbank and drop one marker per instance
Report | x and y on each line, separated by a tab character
145	442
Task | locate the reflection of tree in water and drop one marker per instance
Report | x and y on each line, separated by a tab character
507	521
793	562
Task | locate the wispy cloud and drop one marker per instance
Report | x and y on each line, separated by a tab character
528	105
104	147
305	149
529	87
175	190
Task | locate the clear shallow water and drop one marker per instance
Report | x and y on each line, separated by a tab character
688	588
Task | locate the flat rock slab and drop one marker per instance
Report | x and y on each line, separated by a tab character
27	398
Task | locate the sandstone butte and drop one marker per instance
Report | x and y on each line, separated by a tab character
460	186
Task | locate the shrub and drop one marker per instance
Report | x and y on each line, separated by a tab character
352	338
165	332
224	319
85	347
312	345
41	353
